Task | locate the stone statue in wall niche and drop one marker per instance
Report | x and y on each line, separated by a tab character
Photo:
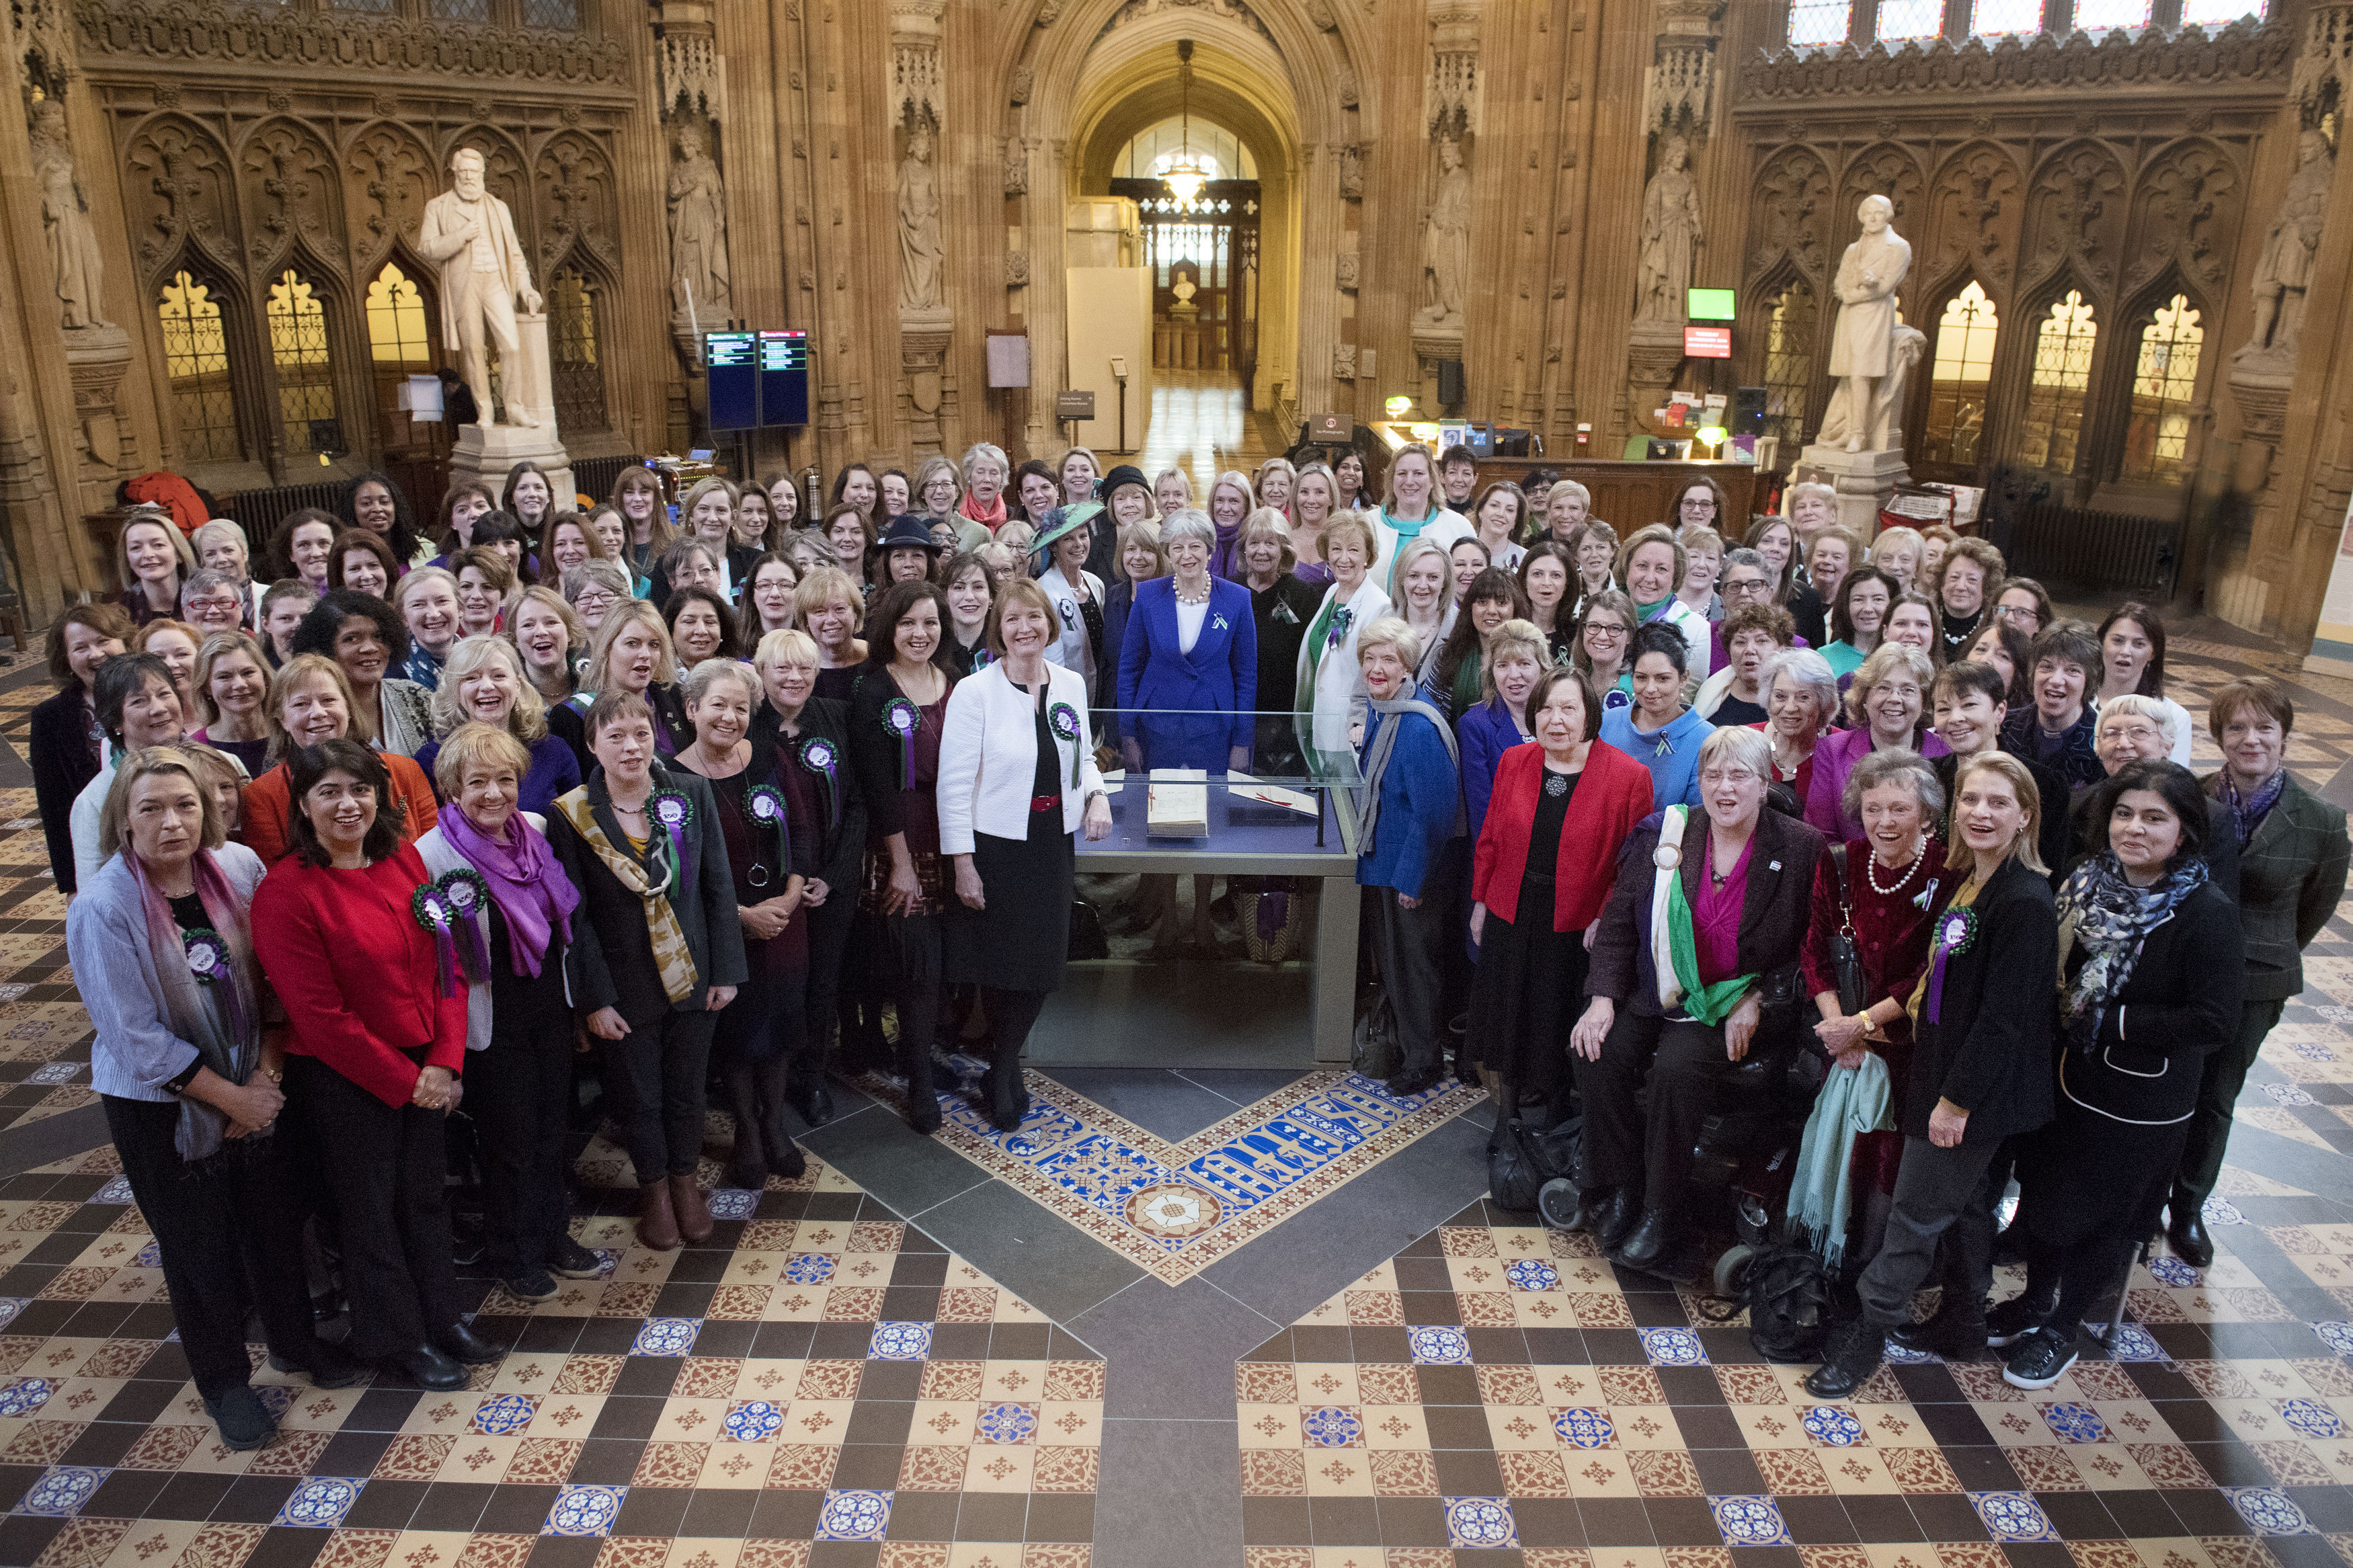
1862	343
2283	270
470	235
698	231
1671	236
1446	242
919	227
76	263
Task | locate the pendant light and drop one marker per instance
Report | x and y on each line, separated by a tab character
1184	177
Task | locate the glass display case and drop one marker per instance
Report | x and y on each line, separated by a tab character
1203	794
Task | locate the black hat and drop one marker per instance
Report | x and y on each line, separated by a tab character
1125	474
907	532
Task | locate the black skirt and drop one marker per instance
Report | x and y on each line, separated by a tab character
1524	1000
1021	940
2086	1175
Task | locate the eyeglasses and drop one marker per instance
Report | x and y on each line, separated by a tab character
212	602
2024	614
1742	586
1604	630
1714	776
595	600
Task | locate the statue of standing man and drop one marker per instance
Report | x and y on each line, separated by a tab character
2283	270
1869	272
469	235
1446	242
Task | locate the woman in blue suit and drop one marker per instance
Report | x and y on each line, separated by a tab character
1189	656
1190	653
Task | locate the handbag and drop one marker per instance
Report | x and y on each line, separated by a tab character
1374	1053
1087	941
1846	959
1520	1162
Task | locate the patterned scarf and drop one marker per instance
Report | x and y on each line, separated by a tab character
2099	908
671	954
2248	811
216	1009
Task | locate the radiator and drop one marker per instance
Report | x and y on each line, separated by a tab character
2095	549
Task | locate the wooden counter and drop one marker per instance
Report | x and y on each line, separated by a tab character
1629	496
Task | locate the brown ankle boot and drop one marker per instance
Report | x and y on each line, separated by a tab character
657	1222
693	1214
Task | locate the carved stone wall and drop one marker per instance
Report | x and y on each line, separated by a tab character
2120	171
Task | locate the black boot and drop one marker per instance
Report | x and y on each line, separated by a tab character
923	1096
2185	1227
1008	1095
1956	1336
747	1165
769	1082
1651	1240
1614	1215
1854	1353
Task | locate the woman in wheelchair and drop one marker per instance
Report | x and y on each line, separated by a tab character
1692	967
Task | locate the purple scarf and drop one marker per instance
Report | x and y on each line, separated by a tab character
2248	811
227	1035
528	888
1226	560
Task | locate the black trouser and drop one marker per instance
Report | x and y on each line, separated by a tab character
829	948
1407	946
228	1230
519	1094
1685	1064
2218	1093
918	984
1011	1015
654	1075
2084	1277
385	1164
1940	1194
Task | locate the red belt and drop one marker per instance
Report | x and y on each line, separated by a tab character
1045	803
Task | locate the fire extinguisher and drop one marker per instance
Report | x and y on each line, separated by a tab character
812	486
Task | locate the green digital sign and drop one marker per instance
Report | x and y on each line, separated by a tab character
1708	304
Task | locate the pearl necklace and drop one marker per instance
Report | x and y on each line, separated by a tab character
1184	598
1871	869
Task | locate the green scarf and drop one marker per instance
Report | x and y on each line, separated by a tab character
1821	1191
1671	930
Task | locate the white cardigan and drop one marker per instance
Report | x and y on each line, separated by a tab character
988	757
1332	688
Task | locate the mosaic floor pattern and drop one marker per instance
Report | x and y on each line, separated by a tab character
1175	1207
818	1386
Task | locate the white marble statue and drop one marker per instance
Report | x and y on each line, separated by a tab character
698	231
1882	428
1861	344
469	235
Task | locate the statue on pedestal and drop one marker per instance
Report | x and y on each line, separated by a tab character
76	263
469	235
1861	344
1670	234
919	227
1881	426
2284	271
1446	242
698	231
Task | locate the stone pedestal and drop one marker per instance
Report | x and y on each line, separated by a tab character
923	339
1654	351
1864	481
96	359
1432	345
527	387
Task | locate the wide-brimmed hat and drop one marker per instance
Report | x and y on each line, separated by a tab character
907	532
1063	520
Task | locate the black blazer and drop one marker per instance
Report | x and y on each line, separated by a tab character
840	849
2221	842
62	768
1773	914
2056	839
2180	1005
1991	1052
874	751
611	959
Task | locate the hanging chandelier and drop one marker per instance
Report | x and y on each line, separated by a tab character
1185	177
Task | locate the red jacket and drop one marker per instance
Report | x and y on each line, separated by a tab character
265	819
1612	795
356	972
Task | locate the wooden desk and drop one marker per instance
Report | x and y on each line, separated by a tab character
1629	496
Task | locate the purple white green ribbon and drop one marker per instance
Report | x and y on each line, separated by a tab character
1063	719
430	907
765	804
208	960
468	895
903	719
1956	930
819	756
671	812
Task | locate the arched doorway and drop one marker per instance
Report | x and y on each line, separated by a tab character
1203	252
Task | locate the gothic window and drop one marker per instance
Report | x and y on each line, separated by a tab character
1902	19
396	319
195	364
1789	362
1957	391
2220	13
2165	386
561	14
2097	15
306	371
1820	23
381	7
461	10
2055	394
1994	17
575	361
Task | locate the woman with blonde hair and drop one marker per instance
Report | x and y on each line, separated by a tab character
1230	502
232	687
1413	508
1276	482
1314	501
1172	493
485	684
176	643
1328	688
831	610
1282	606
939	498
152	558
1898	552
986	469
1425	601
1569	506
631	652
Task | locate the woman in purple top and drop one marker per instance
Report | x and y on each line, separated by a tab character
483	683
1886	706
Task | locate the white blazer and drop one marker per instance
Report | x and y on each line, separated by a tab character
988	757
1334	687
1444	527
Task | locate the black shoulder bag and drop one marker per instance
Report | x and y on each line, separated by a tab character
1846	959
